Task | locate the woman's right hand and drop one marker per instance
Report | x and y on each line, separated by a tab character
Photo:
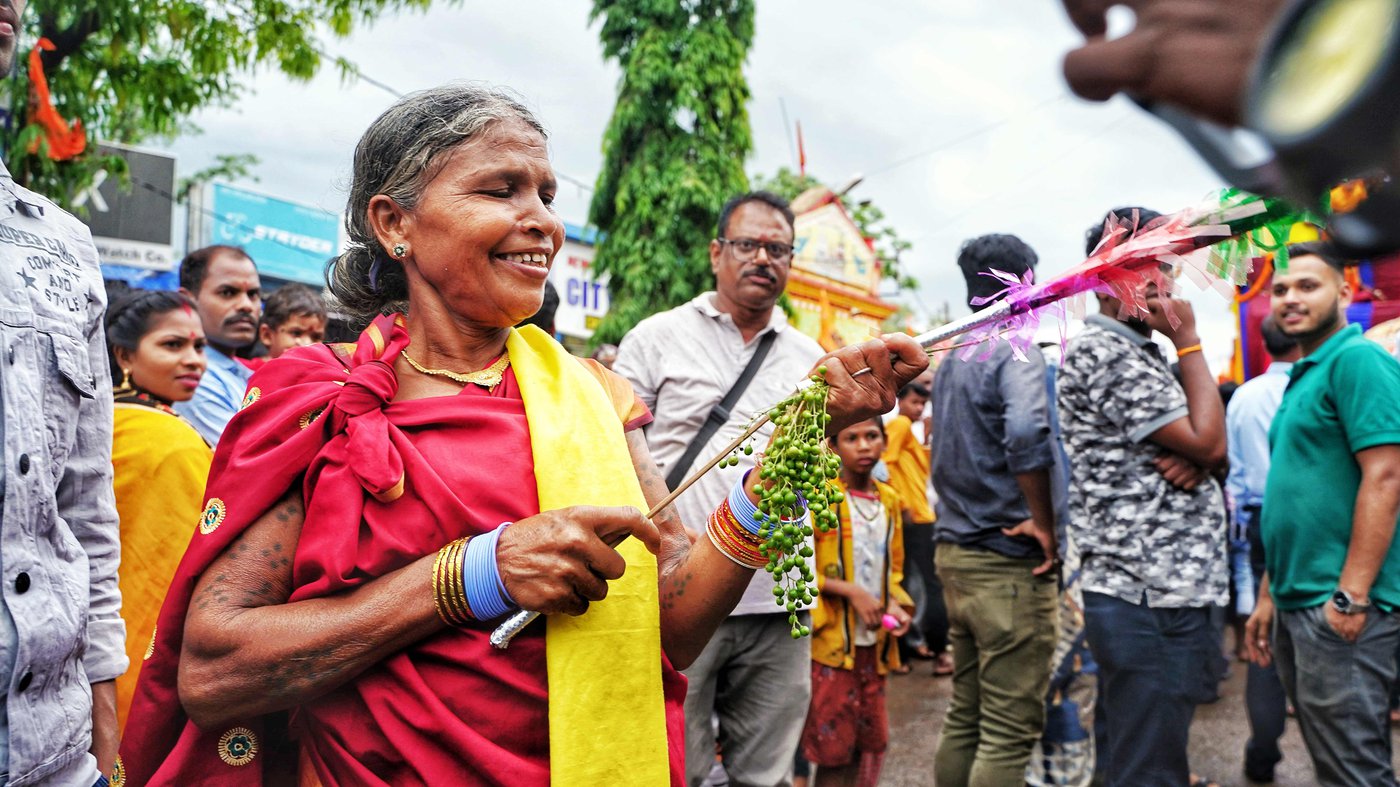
559	561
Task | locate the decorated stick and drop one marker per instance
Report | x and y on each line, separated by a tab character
513	625
516	623
1215	241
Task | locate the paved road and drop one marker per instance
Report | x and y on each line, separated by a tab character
917	703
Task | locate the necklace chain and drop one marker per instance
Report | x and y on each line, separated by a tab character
487	378
866	516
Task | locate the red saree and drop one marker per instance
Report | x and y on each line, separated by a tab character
384	483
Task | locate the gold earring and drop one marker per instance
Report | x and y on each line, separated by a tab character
125	387
400	250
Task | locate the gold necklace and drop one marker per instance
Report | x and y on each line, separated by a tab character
487	378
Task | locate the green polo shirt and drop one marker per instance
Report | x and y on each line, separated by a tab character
1341	399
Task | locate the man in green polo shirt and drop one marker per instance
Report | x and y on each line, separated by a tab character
1328	521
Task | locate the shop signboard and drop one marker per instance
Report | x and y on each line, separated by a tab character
286	239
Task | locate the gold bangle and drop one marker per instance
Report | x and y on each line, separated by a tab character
456	590
1185	351
449	597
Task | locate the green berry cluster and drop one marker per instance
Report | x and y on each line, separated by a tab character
797	466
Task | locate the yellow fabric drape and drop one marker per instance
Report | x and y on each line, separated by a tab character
607	721
159	464
908	461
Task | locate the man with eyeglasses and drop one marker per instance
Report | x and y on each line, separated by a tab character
753	678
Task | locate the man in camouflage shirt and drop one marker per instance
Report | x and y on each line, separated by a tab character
1149	523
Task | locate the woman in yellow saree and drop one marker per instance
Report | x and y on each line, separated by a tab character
156	347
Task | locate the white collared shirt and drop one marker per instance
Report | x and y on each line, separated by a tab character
681	362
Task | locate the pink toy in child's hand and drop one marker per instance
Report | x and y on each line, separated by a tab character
890	622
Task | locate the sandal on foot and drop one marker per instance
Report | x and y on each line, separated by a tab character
943	665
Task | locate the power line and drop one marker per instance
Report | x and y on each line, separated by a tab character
973	134
209	212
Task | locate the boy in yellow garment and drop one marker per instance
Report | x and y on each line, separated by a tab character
860	612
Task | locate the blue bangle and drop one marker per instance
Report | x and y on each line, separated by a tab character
742	507
747	513
486	593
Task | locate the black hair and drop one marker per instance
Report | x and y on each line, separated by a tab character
766	197
877	420
1276	341
195	266
1134	218
913	388
130	316
981	255
292	300
1227	391
544	317
1322	250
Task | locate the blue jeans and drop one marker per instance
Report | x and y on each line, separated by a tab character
1341	691
1155	666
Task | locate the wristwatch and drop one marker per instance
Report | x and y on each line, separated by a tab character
1344	603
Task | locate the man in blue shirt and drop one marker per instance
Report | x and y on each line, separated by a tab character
993	456
1247	421
224	284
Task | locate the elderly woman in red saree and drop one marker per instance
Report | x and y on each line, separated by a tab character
377	508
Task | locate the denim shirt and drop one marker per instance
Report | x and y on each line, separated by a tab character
992	420
60	623
219	395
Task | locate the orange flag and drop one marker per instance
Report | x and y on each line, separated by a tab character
801	152
65	141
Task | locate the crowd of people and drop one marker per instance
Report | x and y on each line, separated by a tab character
234	553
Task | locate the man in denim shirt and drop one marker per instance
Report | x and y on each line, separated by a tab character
993	455
224	284
62	641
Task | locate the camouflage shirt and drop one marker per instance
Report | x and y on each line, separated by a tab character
1139	536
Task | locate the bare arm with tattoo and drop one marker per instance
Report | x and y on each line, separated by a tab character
699	585
248	652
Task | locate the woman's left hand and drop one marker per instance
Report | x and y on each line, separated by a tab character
893	360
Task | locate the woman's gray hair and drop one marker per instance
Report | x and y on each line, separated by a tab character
398	156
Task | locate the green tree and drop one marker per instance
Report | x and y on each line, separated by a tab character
132	70
674	149
866	215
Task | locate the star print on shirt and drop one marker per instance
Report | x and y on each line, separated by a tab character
28	280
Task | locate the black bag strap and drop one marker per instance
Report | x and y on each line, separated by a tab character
719	414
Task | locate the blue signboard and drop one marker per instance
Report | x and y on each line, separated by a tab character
285	239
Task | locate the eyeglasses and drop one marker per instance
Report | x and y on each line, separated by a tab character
746	249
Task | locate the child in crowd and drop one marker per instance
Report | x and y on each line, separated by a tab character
293	316
861	610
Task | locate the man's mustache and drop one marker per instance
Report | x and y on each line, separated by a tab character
762	270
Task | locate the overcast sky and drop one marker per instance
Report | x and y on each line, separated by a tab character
955	113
